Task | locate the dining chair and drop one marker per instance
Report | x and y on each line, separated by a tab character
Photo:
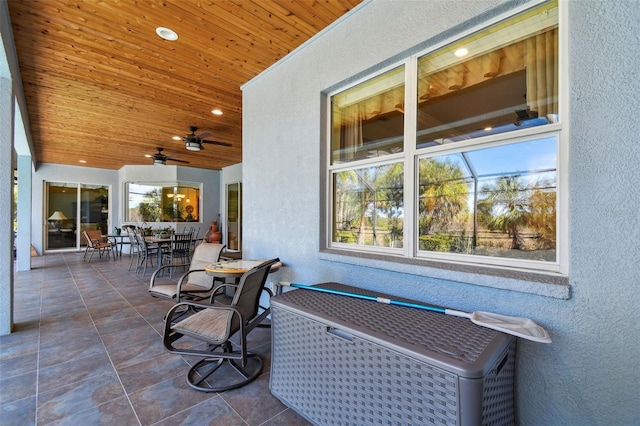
224	329
135	246
148	252
97	243
178	252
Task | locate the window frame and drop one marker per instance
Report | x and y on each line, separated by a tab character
533	271
162	184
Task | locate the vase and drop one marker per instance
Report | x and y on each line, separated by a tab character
215	236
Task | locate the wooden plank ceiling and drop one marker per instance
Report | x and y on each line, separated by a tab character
103	87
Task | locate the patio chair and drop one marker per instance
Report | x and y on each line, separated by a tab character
194	284
224	328
97	243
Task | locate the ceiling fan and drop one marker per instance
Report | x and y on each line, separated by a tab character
194	142
159	159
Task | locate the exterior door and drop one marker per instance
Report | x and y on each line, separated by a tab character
72	208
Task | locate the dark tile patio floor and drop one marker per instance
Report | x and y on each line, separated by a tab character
87	350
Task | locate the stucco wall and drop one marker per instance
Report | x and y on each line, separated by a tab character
589	375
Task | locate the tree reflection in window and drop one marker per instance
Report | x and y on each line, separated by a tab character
169	202
368	206
498	201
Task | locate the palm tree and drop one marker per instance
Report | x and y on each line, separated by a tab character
443	195
542	218
504	206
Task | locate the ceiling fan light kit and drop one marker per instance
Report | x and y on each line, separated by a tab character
159	159
193	142
192	146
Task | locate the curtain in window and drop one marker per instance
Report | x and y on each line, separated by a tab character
351	131
352	117
542	75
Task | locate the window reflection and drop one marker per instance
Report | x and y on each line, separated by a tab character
498	201
368	120
505	79
368	206
178	202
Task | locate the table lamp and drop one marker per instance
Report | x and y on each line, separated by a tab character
57	217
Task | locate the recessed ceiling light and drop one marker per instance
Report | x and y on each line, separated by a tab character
82	161
461	52
167	33
216	111
148	155
176	138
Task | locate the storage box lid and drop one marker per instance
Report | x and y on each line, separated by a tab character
452	343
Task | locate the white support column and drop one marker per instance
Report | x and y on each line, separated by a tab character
6	206
23	242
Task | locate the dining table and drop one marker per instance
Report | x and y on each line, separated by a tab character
160	243
236	268
119	241
163	242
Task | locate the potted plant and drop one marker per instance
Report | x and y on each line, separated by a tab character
146	230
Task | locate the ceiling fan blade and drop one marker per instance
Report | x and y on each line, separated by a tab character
204	135
177	160
217	143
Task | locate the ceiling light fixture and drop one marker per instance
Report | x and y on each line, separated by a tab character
167	33
193	145
216	111
82	161
461	52
176	138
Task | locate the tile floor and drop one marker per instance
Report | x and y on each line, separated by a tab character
87	350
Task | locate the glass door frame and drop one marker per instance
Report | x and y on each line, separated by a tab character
233	228
81	211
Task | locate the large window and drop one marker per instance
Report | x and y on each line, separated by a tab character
453	154
162	202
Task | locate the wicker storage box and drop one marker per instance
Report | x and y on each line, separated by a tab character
338	360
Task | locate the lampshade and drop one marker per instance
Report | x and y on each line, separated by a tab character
58	215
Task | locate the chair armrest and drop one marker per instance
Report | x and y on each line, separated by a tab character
220	290
157	271
184	276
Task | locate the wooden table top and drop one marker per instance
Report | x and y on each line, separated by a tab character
237	267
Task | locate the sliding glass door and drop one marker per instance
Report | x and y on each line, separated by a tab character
72	208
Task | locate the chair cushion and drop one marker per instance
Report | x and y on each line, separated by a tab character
210	325
170	290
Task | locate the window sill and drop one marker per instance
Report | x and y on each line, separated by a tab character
541	284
